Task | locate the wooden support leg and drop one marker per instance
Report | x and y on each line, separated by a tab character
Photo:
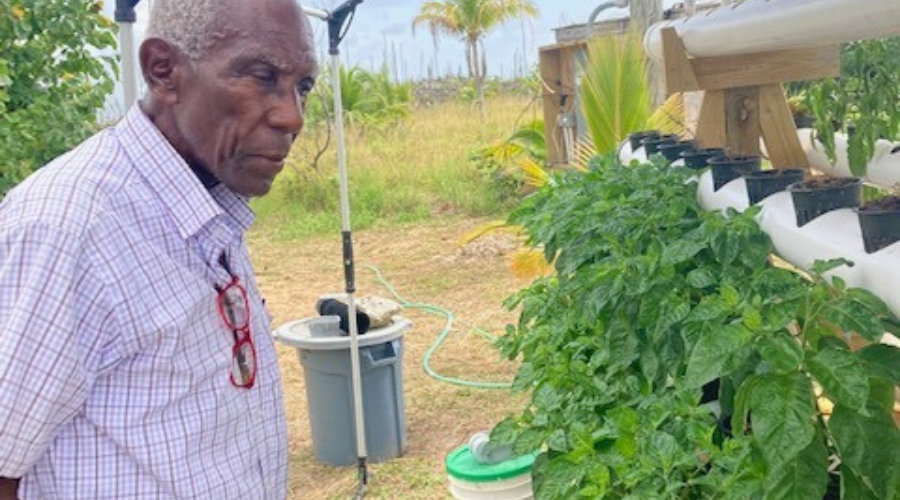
778	129
742	129
711	124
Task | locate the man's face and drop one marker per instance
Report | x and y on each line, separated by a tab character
240	107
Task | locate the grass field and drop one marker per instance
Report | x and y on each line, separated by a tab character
413	194
409	172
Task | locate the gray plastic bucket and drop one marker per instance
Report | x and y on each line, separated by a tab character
329	390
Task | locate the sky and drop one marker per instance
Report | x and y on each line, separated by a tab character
382	31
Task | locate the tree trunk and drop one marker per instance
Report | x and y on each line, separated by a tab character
476	73
482	77
645	13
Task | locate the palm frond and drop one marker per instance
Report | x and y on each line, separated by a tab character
668	118
529	263
494	226
616	97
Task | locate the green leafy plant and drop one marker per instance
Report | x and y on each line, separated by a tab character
56	69
616	97
516	162
655	300
862	102
615	94
370	100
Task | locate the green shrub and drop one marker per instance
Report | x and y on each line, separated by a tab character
55	73
368	99
654	299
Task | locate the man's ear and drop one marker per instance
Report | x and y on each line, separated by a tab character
162	65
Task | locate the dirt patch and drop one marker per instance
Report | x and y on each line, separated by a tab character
424	264
492	246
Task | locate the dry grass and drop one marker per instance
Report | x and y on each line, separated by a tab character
424	264
408	172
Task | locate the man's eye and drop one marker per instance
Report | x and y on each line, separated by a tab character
265	76
304	89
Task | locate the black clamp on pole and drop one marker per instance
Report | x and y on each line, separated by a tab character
336	20
125	11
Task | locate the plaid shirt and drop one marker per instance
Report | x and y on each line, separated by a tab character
114	360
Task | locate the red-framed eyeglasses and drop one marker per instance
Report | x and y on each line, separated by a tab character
234	308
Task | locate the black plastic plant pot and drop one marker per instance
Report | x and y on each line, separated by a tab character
635	138
699	158
880	223
652	144
765	183
673	151
815	197
728	168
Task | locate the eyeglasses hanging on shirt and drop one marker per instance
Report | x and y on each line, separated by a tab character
234	308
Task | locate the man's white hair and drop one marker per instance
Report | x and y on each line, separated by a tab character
189	25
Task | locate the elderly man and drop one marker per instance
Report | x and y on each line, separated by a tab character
136	359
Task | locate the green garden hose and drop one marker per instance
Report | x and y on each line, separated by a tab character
450	318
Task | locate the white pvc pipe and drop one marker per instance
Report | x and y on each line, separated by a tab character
319	13
836	234
129	75
882	170
355	370
833	235
767	25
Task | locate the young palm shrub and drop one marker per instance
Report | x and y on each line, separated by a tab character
368	99
615	95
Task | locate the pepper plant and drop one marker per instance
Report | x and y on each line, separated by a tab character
655	300
862	102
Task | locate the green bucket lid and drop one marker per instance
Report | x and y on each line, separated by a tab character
461	464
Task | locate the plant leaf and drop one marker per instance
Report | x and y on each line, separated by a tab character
717	353
805	477
882	359
701	278
842	376
559	479
870	446
853	487
782	410
782	352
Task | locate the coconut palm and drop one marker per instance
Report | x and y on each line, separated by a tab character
471	20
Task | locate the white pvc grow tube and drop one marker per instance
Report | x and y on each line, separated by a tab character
767	25
833	235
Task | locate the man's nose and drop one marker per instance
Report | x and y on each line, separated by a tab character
286	114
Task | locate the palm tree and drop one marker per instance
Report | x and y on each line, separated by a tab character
471	20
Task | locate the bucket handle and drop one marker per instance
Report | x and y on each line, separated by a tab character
380	355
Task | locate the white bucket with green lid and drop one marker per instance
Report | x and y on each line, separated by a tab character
472	480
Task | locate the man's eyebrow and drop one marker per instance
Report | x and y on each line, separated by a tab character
263	58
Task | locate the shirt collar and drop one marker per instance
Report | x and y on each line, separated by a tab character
192	206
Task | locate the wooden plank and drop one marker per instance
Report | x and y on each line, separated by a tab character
711	124
550	76
766	68
742	128
778	130
568	66
678	73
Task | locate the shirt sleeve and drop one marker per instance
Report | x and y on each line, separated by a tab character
50	321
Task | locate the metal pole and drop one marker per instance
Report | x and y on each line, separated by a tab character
125	16
336	21
347	244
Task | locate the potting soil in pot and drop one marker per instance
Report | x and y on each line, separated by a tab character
765	183
819	196
879	221
728	168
